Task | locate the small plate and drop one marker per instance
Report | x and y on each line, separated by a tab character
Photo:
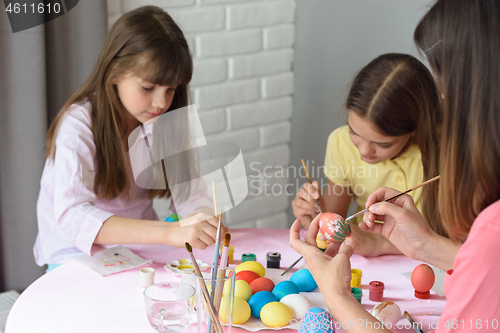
184	266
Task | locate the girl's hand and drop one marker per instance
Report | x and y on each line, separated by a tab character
403	224
198	229
331	269
304	205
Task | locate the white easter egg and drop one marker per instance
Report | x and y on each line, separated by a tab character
298	303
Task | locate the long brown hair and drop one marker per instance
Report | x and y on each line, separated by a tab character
396	93
148	43
461	40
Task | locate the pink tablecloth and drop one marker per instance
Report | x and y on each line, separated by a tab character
72	298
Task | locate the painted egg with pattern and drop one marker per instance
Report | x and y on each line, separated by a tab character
386	312
317	320
334	227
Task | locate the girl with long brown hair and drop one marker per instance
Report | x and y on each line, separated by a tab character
461	39
391	138
88	194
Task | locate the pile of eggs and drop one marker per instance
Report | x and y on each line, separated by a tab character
258	296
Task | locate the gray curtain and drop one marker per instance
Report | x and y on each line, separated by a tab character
39	70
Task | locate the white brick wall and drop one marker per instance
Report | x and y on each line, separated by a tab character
242	86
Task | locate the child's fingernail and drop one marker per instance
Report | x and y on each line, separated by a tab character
349	241
374	208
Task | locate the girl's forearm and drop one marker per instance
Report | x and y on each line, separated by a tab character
122	230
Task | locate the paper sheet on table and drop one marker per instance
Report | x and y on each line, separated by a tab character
112	260
438	287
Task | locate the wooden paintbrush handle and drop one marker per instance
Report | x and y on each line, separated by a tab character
211	309
221	274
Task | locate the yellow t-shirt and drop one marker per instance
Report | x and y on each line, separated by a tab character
344	166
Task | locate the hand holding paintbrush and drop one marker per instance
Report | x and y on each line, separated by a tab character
319	208
305	206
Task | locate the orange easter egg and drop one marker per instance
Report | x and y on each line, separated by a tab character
334	227
422	279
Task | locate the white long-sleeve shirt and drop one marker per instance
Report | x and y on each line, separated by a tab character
68	211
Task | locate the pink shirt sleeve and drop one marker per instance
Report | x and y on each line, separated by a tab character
472	290
77	218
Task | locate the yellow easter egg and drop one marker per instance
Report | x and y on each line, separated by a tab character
225	292
241	310
253	266
320	243
276	314
242	290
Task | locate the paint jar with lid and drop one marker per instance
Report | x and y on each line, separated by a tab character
248	257
273	259
376	291
358	294
356	278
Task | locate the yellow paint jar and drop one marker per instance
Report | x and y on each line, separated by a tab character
356	275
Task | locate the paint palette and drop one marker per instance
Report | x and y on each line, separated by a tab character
184	266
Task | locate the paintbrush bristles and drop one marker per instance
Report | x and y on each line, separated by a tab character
227	239
189	248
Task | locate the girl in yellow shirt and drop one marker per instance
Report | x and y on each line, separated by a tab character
391	139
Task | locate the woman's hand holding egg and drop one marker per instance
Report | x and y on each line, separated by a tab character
331	270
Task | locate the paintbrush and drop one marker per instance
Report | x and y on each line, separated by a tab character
319	208
215	267
395	196
413	324
215	199
310	182
222	271
211	310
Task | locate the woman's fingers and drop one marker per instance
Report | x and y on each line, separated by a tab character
347	247
312	231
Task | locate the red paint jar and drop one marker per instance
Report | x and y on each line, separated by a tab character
376	291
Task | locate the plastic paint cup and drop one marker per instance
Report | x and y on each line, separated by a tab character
146	277
248	257
358	294
273	259
356	278
376	291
